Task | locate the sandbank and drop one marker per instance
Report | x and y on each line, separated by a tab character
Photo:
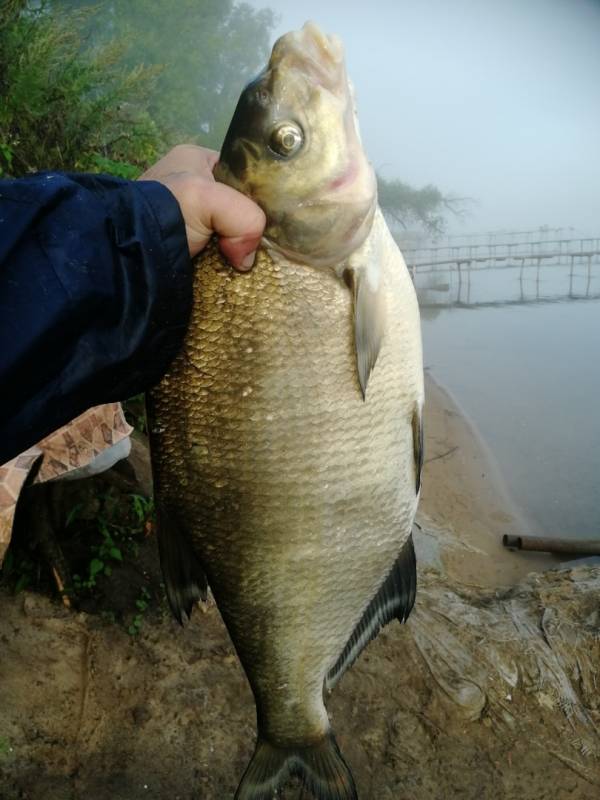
465	505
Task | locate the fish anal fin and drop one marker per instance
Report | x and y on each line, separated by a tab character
417	429
185	581
320	766
369	321
394	600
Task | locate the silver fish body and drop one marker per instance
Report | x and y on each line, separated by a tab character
291	487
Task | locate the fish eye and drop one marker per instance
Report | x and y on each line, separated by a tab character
286	139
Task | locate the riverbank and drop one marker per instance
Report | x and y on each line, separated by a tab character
465	505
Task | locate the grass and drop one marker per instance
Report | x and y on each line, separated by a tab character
5	748
142	604
18	570
107	543
117	536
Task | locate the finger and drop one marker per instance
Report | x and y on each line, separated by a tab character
183	159
212	159
194	158
240	251
239	223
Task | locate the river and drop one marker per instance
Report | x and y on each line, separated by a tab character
519	350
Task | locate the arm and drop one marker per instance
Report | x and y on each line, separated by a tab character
95	287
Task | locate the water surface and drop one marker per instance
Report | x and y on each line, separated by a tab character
519	348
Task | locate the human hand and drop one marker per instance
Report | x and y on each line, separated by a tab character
208	206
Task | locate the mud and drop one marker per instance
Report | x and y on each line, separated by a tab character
478	696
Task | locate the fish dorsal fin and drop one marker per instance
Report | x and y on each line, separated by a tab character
394	600
362	274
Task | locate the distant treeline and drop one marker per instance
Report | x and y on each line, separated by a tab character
109	85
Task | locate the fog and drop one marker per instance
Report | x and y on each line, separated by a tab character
494	100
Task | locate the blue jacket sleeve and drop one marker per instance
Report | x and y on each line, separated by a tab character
95	296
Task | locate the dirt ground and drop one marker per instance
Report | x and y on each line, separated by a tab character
88	710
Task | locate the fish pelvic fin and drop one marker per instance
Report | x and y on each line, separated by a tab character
185	581
320	767
394	600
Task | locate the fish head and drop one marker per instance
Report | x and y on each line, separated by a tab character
294	147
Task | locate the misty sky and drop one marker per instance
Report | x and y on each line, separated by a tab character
498	100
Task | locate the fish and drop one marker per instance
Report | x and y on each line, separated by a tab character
286	436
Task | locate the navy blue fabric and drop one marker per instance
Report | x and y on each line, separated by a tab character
95	297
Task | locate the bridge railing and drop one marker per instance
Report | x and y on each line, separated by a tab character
531	252
507	283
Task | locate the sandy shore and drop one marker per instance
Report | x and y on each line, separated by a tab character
465	506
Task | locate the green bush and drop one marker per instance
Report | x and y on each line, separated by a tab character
207	51
108	87
68	106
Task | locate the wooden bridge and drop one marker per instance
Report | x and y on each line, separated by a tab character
449	274
495	253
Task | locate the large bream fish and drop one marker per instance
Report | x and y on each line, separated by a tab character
286	437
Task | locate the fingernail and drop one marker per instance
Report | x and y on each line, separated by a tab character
248	261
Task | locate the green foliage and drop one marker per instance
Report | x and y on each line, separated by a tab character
18	571
206	51
142	603
104	555
119	168
135	412
66	104
209	51
116	535
143	511
106	86
427	207
5	747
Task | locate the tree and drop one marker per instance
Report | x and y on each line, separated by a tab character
428	207
66	107
206	51
109	87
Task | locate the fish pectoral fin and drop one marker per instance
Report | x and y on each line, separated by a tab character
395	599
320	766
369	320
185	581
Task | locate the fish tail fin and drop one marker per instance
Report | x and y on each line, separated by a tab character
319	766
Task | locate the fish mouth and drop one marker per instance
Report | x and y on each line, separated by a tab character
316	54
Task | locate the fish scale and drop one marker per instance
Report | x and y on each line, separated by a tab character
294	491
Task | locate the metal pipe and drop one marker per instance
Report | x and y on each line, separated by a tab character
547	544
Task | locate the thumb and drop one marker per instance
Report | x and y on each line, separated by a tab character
238	222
